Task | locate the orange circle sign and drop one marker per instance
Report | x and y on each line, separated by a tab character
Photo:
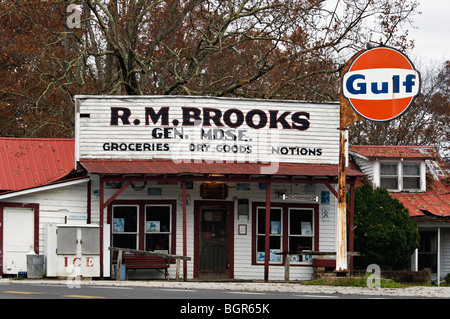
381	84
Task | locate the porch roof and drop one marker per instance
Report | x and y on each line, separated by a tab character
164	167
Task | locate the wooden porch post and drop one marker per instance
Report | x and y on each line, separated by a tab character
102	207
351	209
183	183
267	235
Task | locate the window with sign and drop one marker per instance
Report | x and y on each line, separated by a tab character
125	226
143	225
275	235
301	232
292	228
158	228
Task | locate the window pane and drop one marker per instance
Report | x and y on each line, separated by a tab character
275	219
124	241
274	244
297	243
157	219
388	169
124	219
159	242
389	182
411	183
428	241
411	169
300	222
428	250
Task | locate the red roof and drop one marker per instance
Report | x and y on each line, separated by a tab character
434	202
31	162
171	167
371	151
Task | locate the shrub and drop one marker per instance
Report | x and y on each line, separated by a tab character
385	234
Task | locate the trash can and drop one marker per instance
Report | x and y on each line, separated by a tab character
123	272
35	266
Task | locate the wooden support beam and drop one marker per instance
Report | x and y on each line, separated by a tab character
267	235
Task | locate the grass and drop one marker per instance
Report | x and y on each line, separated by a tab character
353	282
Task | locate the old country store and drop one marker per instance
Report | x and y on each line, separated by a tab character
196	176
230	183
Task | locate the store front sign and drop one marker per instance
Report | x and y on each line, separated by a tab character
206	129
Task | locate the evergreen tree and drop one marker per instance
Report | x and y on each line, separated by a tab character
385	234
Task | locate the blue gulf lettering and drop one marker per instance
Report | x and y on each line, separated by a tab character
361	87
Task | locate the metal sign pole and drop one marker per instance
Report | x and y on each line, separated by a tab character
347	117
341	252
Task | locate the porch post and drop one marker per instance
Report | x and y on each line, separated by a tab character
267	235
341	249
438	256
351	209
102	207
183	184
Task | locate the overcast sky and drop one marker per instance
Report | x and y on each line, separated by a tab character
432	33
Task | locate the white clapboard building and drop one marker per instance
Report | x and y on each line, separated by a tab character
233	184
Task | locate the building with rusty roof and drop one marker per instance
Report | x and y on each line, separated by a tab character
420	179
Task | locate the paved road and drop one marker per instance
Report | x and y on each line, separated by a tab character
23	290
193	301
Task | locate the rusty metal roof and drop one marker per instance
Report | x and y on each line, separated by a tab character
434	202
413	152
31	162
158	166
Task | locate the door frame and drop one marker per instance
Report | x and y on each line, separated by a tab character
199	205
35	208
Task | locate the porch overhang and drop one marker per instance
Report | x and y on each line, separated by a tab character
191	170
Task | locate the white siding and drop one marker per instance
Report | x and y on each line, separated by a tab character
55	205
367	167
243	268
445	251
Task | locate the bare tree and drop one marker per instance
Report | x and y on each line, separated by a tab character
292	49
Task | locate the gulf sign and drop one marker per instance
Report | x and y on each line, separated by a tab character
380	84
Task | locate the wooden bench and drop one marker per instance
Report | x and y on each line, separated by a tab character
138	261
141	259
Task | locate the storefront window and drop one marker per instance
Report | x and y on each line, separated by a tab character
125	230
292	228
301	232
275	240
158	228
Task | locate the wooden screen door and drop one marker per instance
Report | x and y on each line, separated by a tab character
18	238
213	244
